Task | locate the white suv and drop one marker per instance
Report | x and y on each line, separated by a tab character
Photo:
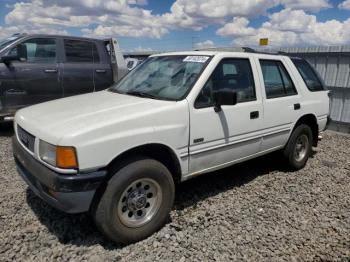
118	153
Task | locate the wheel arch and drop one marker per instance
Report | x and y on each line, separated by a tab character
157	151
311	121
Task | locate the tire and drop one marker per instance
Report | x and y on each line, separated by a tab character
137	201
299	147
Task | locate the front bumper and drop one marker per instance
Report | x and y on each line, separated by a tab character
69	193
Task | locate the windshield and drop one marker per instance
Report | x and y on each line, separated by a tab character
5	42
163	77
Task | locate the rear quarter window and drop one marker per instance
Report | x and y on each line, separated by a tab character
309	75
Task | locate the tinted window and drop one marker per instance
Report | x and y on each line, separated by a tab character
235	74
78	51
309	75
36	50
277	80
95	54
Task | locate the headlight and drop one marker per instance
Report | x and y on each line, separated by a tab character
47	153
58	156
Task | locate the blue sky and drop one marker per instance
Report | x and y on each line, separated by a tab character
184	24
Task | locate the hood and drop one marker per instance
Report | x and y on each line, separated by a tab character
72	116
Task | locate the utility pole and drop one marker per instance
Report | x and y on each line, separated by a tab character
193	42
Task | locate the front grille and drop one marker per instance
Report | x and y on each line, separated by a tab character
26	138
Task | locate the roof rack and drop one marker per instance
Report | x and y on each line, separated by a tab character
242	49
228	49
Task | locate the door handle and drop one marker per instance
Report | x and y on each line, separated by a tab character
15	92
50	71
297	106
100	71
254	115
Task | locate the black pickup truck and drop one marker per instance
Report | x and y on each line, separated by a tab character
39	68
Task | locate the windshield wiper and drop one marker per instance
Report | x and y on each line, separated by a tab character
141	94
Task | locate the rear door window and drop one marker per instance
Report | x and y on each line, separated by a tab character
309	75
78	51
277	80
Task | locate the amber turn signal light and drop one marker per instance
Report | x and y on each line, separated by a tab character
66	157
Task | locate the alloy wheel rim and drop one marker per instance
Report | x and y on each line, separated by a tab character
301	147
139	202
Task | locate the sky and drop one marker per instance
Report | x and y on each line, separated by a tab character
162	25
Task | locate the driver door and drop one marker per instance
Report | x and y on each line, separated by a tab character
35	78
220	138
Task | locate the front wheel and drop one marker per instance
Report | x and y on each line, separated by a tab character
299	147
136	202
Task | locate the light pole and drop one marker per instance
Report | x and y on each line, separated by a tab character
193	38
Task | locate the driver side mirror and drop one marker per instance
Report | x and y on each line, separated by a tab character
19	53
224	97
7	59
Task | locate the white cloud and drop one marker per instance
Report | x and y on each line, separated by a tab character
7	31
289	28
345	5
238	27
197	14
124	30
204	44
106	17
290	20
307	5
10	30
142	49
137	2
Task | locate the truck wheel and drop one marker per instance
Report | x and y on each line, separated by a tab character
136	202
299	146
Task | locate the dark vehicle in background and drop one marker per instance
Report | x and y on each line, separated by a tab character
39	68
132	63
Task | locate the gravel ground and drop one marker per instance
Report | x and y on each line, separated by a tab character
254	211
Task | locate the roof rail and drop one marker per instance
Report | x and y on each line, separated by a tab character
243	49
228	49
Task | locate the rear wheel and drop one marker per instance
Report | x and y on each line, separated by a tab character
136	202
299	147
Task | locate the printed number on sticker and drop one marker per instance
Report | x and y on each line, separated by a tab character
196	59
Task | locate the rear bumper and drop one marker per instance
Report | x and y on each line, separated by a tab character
69	193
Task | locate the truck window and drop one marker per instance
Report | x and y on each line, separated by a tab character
36	50
277	81
232	73
309	75
78	51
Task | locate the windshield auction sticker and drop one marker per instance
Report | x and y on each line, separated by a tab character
196	59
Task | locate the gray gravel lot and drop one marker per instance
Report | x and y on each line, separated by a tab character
254	211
